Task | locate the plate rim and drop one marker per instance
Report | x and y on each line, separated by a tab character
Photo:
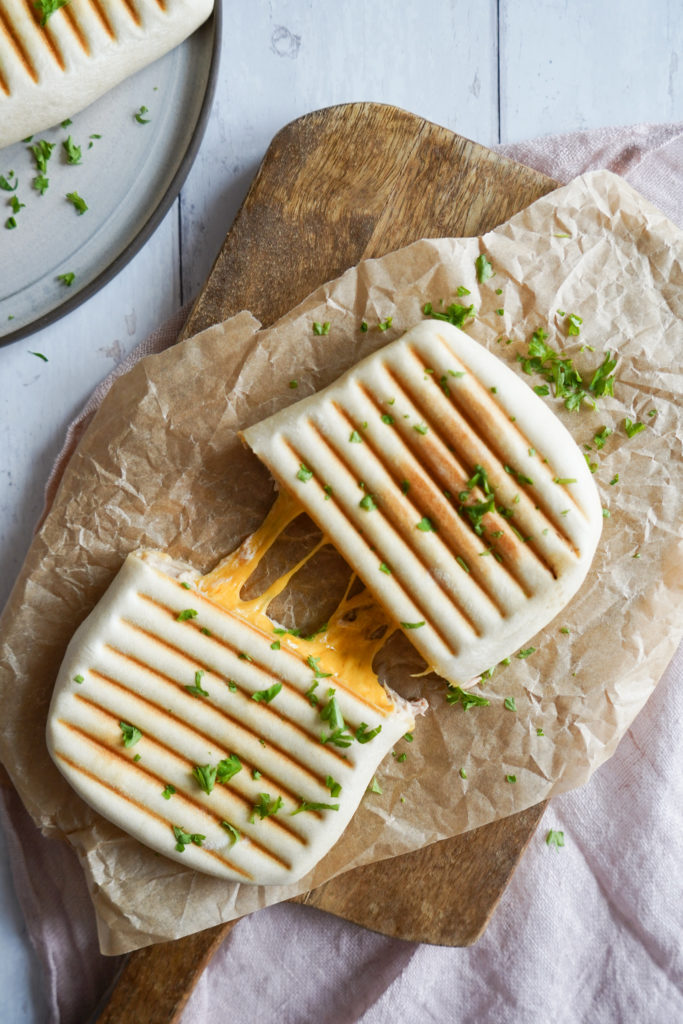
157	214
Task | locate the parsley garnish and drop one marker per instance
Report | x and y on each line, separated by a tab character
304	474
455	313
5	183
205	774
375	787
331	713
383	567
306	806
139	118
408	737
314	663
234	833
15	204
564	480
462	290
364	734
184	838
573	324
601	436
78	679
47	8
39	355
130	733
168	792
510	704
73	152
510	778
267	695
196	690
320	329
463	773
275	646
539	732
632	428
468	700
334	787
310	695
368	503
244	656
41	184
483	267
386	418
355	438
265	807
525	652
42	151
385	324
614	480
555	838
188	613
228	767
412	625
426	525
294	384
363	326
79	204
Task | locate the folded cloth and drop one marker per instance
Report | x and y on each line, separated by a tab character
586	932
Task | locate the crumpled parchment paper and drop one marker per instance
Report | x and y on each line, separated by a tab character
161	465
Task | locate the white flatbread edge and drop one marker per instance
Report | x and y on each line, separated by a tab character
128	793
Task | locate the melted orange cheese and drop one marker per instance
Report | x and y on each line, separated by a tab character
347	644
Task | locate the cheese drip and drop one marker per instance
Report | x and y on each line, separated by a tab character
347	644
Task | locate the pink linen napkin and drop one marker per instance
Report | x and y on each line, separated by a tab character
590	932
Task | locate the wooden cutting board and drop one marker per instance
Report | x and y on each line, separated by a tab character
336	186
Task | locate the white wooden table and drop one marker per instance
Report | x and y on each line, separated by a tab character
495	71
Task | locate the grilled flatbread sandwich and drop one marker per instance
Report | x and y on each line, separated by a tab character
454	492
57	58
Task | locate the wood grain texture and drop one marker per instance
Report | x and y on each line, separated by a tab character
335	186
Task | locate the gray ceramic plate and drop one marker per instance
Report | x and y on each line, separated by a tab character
129	178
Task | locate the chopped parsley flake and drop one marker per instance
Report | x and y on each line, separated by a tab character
130	734
426	525
234	833
168	792
185	585
187	613
601	437
405	486
511	778
39	355
463	773
79	679
139	116
539	732
205	774
244	656
386	418
73	152
456	695
355	438
483	267
462	563
462	291
383	567
510	704
421	428
42	151
46	8
573	324
314	663
385	324
334	787
265	807
605	513
304	474
565	630
564	480
363	326
614	480
525	652
555	838
41	184
184	838
79	204
367	502
306	806
364	734
321	329
6	182
455	313
265	696
196	690
412	625
632	428
228	767
275	646
294	384
16	205
375	787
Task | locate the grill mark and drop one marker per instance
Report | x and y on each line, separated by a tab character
548	513
132	10
15	42
73	24
387	512
286	755
161	5
101	14
455	521
72	727
3	84
152	814
291	655
447	641
510	545
536	497
46	34
282	790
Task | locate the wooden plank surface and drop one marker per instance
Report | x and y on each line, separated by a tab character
336	186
